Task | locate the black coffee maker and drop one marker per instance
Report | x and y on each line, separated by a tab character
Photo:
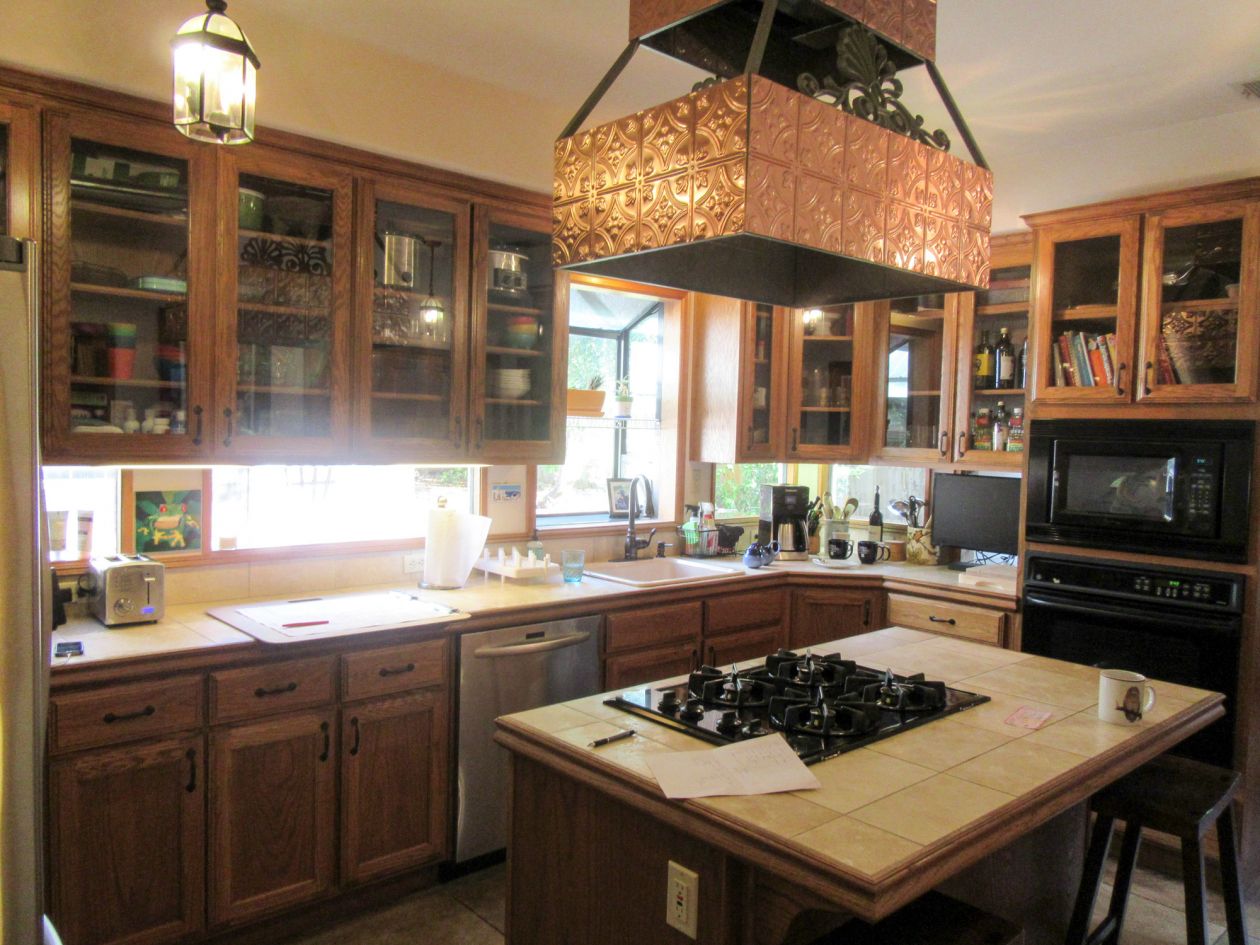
783	519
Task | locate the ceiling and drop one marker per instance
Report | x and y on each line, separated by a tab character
1025	72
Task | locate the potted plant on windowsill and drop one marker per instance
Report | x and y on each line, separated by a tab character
588	402
623	400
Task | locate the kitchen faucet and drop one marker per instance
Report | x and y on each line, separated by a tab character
634	544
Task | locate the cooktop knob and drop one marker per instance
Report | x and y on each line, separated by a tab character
692	710
669	702
729	723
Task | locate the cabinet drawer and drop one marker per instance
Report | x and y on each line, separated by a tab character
644	666
955	620
393	669
273	687
125	713
652	625
750	609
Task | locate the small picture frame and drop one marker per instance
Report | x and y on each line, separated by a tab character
619	498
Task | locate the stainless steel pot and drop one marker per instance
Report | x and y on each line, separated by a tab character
400	261
507	271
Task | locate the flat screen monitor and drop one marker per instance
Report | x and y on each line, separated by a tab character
976	512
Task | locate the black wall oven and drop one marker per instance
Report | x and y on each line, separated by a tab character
1177	625
1179	488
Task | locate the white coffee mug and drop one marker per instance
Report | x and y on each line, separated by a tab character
1123	696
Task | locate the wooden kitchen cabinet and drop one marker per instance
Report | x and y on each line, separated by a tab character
948	618
820	614
829	354
394	777
1165	287
129	313
723	649
519	367
19	170
273	815
623	670
127	843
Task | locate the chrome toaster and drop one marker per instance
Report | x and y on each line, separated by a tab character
127	589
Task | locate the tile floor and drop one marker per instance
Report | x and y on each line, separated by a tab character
470	911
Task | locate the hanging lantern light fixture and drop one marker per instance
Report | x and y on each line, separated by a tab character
432	313
215	78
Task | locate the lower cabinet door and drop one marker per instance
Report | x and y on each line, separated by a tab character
823	614
272	814
661	662
393	784
727	648
127	843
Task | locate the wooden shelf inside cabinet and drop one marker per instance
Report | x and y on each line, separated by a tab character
1198	305
126	382
517	352
276	237
998	392
1004	308
809	339
296	391
1085	313
270	309
923	313
504	402
105	210
826	409
921	393
119	292
423	346
514	309
419	398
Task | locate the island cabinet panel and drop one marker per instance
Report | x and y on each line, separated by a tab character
393	784
272	815
660	662
951	619
822	614
126	843
759	608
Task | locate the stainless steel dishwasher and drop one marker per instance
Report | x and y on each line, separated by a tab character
505	671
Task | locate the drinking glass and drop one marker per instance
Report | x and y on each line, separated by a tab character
573	562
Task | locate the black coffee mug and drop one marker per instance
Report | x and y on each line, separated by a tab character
871	551
839	548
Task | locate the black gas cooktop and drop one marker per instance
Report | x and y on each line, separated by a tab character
823	705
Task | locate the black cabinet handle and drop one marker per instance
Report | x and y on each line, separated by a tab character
262	693
227	414
323	727
949	620
695	659
944	443
197	411
480	439
191	755
794	433
1120	378
1150	371
459	430
109	718
712	656
397	670
962	443
751	430
354	724
866	613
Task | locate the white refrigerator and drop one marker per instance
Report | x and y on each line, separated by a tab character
25	590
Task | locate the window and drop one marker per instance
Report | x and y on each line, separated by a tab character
894	482
737	487
82	503
613	336
277	506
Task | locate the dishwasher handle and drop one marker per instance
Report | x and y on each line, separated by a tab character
522	649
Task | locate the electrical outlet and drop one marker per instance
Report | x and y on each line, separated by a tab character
413	562
682	891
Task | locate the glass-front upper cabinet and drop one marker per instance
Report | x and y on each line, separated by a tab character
1086	298
821	390
761	407
130	290
519	339
1200	305
917	338
994	366
287	303
413	380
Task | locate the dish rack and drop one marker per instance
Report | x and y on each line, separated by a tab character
702	543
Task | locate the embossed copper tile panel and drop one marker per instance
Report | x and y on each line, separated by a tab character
918	27
755	160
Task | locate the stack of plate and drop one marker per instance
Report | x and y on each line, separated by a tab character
510	383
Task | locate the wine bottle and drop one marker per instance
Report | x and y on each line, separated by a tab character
984	363
1021	372
1004	360
875	531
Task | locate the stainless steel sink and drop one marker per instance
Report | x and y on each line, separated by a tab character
656	572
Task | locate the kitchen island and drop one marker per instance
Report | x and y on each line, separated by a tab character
989	811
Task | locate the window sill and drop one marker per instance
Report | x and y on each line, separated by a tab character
597	529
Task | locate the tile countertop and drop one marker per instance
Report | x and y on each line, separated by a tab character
188	628
911	798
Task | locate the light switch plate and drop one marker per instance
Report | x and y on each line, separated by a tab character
413	562
682	890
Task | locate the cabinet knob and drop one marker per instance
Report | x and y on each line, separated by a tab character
944	443
1120	368
1150	373
227	415
794	433
354	727
459	430
191	755
197	412
962	443
949	620
323	727
480	438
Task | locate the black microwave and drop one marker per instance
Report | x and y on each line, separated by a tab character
1179	488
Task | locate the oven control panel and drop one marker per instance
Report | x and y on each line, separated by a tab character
1218	591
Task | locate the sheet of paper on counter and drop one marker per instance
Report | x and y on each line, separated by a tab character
763	765
314	616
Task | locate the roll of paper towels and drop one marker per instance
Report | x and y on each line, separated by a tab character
451	546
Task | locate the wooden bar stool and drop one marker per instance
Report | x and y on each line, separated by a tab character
1177	796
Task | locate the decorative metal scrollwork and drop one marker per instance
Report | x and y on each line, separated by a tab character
707	83
865	84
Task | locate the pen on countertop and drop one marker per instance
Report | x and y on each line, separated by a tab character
599	742
305	623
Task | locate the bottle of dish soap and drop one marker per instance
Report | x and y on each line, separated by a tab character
534	547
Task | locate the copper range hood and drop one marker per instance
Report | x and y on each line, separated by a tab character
750	187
